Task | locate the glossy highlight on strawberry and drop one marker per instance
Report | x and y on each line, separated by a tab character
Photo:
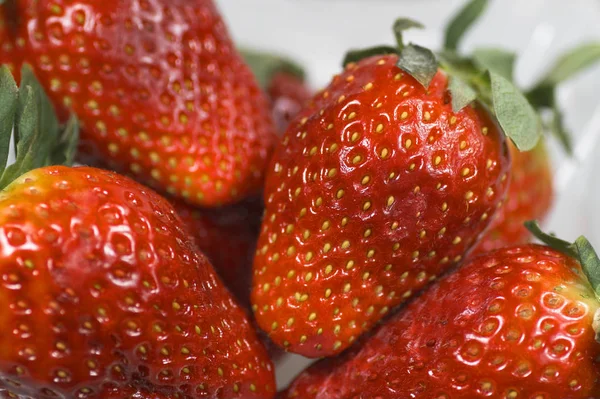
514	323
377	188
160	90
104	295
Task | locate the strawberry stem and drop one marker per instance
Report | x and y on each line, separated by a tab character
400	26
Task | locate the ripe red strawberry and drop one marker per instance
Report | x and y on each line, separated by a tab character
378	187
228	238
515	323
104	295
529	197
160	90
284	82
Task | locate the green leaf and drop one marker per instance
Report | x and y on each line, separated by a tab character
265	65
516	116
37	135
559	130
462	93
9	94
360	54
66	148
400	26
498	60
461	23
48	129
571	63
419	62
588	258
26	132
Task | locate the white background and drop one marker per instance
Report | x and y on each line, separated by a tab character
318	32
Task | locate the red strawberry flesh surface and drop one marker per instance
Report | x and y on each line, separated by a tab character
105	296
530	196
376	189
160	90
515	323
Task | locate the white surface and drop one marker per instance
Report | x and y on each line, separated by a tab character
318	32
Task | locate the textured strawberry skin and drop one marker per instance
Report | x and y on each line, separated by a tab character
160	90
288	94
376	189
104	296
10	53
227	236
530	197
516	323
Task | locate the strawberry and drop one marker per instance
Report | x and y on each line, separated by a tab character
529	197
519	322
227	236
284	82
104	294
10	54
382	184
160	90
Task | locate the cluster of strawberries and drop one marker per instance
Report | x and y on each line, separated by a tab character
230	214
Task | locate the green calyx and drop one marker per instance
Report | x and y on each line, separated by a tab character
542	96
470	79
486	76
417	61
581	250
39	139
266	65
